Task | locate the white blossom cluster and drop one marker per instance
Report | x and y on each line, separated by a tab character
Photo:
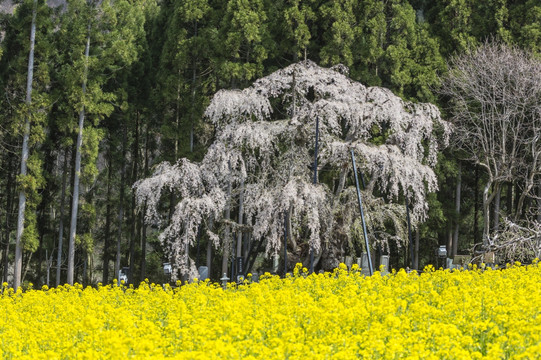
264	152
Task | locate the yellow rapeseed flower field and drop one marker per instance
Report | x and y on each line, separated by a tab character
475	314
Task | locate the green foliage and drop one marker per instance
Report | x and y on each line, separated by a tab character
525	24
85	242
30	238
242	37
338	20
154	66
295	28
89	152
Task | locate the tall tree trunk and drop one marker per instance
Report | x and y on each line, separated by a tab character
509	199
486	212
449	243
144	226
177	119
121	205
488	198
227	240
458	191
528	186
10	195
61	220
143	245
241	215
40	251
75	200
416	250
209	246
539	204
194	78
85	268
476	208
24	155
27	264
133	230
108	215
291	239
497	202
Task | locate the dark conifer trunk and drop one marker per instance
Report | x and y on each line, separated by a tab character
10	195
121	204
108	215
133	230
61	218
143	224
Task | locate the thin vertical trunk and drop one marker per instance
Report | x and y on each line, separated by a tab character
449	244
539	204
410	238
61	220
526	194
209	246
75	200
497	200
194	78
85	268
48	265
108	215
27	264
476	208
290	230
488	198
41	232
24	155
177	120
144	230
509	199
135	174
227	240
121	205
10	195
458	192
241	215
486	214
143	245
294	86
416	252
133	237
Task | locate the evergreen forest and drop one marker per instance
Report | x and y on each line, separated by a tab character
97	95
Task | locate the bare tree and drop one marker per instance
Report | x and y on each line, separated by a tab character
515	242
494	93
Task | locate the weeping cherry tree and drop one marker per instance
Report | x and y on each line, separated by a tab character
263	156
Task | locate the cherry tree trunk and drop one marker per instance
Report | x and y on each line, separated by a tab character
227	240
416	250
241	214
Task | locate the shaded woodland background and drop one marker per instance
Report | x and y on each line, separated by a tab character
152	69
